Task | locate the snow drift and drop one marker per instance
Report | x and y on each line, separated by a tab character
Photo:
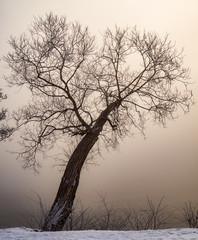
165	234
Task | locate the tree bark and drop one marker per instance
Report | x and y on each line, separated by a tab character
63	202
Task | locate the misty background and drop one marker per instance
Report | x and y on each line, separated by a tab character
165	163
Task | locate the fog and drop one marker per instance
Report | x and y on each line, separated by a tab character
165	163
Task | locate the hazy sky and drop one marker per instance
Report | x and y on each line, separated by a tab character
166	163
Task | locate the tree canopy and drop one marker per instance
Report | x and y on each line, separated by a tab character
72	81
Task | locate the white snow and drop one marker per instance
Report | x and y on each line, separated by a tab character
165	234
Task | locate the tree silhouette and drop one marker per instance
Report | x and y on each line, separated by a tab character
88	93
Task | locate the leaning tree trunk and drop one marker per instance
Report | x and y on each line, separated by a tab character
63	202
62	205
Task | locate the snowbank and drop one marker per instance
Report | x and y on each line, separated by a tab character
165	234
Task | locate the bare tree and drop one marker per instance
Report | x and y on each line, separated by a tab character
86	93
189	214
81	218
155	214
104	217
5	131
107	217
35	217
110	218
152	217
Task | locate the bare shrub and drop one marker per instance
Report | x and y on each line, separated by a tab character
105	217
152	217
189	214
34	217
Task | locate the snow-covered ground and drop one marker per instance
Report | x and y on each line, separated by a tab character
165	234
